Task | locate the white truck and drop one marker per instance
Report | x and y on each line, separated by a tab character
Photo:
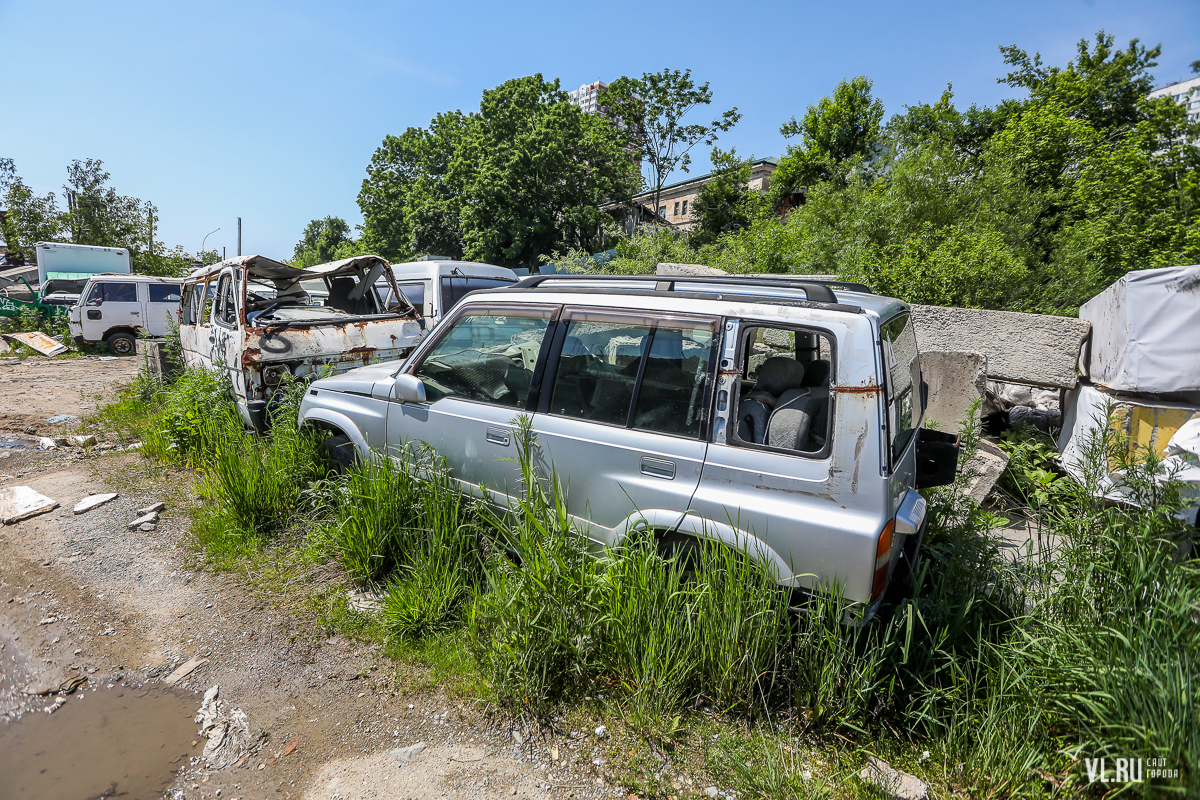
64	268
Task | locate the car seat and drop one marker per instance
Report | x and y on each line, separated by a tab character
777	376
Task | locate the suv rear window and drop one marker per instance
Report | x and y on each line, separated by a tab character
902	366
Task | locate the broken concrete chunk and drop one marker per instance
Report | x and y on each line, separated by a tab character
983	470
148	527
956	380
46	443
153	508
21	502
143	519
83	441
897	783
93	501
402	754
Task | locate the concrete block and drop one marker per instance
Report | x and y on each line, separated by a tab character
983	470
1033	349
956	380
152	357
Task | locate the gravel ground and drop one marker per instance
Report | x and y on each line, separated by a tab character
323	720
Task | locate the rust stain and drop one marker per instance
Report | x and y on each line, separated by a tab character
856	389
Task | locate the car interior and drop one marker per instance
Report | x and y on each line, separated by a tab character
784	397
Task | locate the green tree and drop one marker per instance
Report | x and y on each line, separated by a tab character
840	128
533	171
28	218
1104	86
320	241
726	204
409	208
650	112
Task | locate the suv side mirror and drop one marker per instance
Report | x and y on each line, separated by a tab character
409	389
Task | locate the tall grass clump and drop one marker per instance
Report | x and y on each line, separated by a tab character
192	415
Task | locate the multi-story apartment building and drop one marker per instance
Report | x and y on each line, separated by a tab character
587	97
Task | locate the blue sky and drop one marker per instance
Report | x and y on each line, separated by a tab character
271	110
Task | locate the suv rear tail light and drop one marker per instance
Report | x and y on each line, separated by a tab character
883	558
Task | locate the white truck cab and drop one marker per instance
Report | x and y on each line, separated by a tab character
435	285
115	308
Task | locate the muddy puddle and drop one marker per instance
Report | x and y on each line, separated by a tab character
16	444
117	742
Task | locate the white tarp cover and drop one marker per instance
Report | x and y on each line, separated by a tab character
1146	332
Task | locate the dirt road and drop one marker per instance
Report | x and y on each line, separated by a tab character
303	716
37	388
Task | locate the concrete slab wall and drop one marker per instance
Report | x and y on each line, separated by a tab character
1033	349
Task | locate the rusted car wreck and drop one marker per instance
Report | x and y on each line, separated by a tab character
259	320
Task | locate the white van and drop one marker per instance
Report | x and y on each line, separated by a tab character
435	285
115	309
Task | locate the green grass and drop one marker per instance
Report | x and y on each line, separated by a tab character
1007	674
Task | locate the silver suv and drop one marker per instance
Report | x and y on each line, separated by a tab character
781	417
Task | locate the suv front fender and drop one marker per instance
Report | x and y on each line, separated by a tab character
326	418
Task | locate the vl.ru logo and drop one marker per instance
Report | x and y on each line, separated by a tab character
1127	770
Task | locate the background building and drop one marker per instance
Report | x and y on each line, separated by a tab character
1185	93
676	199
587	97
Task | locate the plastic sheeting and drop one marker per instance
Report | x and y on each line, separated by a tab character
1146	332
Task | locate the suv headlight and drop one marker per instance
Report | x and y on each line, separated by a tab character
273	374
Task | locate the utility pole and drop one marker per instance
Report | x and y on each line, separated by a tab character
239	236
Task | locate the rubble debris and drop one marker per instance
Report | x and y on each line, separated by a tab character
83	441
983	470
143	519
1031	349
21	502
46	443
402	754
59	419
93	501
53	680
228	734
148	527
183	670
897	783
153	508
39	342
956	379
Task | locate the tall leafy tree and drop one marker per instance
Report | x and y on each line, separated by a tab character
841	127
726	204
27	218
650	111
320	241
533	171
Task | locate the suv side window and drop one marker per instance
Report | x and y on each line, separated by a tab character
634	371
455	289
487	356
784	398
902	368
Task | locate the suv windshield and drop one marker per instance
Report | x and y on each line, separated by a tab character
903	367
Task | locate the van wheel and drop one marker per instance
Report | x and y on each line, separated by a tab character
339	454
121	344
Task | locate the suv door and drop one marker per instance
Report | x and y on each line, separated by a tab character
479	376
622	416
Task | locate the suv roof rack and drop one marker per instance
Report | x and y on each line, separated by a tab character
815	291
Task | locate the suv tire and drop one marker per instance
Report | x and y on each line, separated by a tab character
121	344
339	454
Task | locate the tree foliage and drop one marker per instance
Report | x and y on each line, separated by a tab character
96	214
320	241
726	204
522	178
1035	204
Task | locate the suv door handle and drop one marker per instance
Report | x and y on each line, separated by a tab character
658	468
499	436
